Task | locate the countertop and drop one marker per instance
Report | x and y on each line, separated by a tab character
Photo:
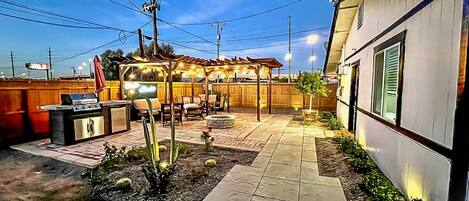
115	102
69	107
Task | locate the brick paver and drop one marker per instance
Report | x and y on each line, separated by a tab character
246	134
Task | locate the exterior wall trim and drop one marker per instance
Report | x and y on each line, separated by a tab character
458	182
436	147
401	20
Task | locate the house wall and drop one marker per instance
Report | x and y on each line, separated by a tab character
428	92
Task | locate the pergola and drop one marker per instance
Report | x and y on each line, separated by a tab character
172	63
169	64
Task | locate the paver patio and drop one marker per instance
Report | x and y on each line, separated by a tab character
247	134
285	169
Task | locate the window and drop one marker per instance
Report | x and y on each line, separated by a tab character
361	10
386	81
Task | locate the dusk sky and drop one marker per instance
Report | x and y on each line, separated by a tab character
29	41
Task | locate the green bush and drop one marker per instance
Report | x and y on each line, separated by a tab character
375	184
113	156
325	116
184	149
159	177
334	124
208	140
136	153
379	188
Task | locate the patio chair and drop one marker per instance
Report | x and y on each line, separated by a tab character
202	97
220	106
212	99
197	100
186	100
166	113
192	110
142	106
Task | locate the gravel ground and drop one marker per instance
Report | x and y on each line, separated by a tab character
190	181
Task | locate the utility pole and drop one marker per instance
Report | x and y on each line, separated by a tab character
153	8
289	49
219	25
12	64
50	66
312	59
156	7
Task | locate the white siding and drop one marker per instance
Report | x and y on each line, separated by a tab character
429	91
430	65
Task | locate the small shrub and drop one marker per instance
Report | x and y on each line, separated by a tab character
325	116
159	177
208	140
210	163
124	183
136	153
197	172
112	156
184	149
334	124
377	186
305	123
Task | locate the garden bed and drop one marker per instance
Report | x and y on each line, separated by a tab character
333	163
191	180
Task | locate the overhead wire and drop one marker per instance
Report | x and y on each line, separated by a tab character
48	23
243	17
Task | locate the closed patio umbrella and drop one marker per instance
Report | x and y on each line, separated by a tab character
99	80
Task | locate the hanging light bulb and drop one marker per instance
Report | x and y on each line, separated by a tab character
132	76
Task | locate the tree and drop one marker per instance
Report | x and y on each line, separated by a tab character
148	49
111	70
312	84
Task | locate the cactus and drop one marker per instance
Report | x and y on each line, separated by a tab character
124	183
210	163
153	130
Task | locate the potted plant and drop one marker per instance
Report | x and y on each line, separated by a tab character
311	84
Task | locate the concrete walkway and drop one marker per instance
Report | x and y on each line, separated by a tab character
285	169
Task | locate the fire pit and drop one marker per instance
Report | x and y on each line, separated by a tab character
220	121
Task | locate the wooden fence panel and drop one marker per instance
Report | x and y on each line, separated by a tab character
20	116
283	96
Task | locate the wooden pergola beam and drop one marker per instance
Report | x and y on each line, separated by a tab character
258	98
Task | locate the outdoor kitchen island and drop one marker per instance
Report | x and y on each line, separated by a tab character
81	117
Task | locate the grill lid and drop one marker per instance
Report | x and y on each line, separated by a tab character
78	99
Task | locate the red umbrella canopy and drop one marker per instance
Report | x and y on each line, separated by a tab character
99	80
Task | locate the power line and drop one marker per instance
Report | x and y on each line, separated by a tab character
48	23
66	17
256	37
100	46
243	17
135	9
171	24
37	14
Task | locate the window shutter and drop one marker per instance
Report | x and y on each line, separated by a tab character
361	10
392	70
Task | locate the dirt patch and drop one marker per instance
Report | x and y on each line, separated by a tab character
333	163
300	123
27	177
191	180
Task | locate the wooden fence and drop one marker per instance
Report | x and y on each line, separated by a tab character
284	95
21	118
